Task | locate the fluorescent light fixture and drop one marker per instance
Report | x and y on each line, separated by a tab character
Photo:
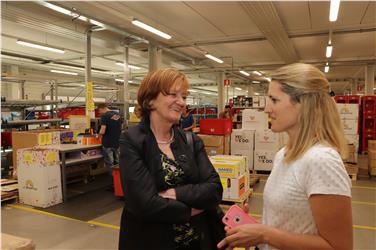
238	88
37	46
121	80
256	81
192	90
256	93
64	72
329	50
257	73
326	69
268	79
334	7
151	29
214	58
244	73
129	66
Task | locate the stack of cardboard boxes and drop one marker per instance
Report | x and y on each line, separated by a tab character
349	113
233	171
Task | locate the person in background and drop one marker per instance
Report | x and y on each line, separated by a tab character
226	113
187	121
170	188
110	131
307	197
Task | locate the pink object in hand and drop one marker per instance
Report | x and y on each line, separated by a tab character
236	216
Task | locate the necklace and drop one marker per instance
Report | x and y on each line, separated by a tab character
169	141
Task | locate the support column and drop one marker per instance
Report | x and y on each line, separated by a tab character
251	90
125	92
155	56
89	84
23	89
13	88
221	92
369	82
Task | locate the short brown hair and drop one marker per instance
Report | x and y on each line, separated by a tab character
158	81
102	105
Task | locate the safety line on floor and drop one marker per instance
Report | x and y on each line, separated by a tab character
100	224
91	222
96	223
354	202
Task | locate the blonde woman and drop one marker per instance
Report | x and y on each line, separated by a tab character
307	198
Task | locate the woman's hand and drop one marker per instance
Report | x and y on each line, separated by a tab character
243	236
168	194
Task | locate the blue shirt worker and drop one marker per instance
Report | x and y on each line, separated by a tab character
110	131
187	120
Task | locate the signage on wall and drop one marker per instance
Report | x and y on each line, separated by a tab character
226	82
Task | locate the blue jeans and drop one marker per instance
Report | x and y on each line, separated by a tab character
110	157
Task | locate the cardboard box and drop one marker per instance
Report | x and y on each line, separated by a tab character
228	169
242	139
353	139
233	188
352	154
39	177
350	126
233	158
348	110
245	153
253	119
267	140
216	144
264	160
372	145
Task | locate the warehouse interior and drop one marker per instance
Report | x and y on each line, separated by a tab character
98	42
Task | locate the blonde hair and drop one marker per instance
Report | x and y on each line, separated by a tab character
319	121
158	81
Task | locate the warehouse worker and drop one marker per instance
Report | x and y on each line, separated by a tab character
187	121
110	131
307	197
171	189
226	113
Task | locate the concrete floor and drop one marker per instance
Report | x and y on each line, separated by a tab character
51	231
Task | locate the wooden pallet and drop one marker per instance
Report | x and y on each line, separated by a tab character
253	180
241	201
352	171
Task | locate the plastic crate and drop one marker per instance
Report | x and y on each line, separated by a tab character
215	126
369	105
369	124
118	190
347	99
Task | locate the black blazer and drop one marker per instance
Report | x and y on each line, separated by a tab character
147	218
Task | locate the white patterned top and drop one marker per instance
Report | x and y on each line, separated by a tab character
319	171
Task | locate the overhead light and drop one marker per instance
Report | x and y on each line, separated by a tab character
329	50
244	73
151	29
64	72
129	66
268	79
334	7
326	69
73	14
257	73
192	90
37	46
255	81
256	93
121	80
214	58
238	88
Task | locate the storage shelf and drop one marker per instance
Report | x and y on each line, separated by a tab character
83	160
26	122
28	103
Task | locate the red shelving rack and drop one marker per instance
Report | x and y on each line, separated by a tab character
368	113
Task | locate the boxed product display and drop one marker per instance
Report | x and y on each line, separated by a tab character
353	139
242	139
216	144
215	126
233	188
263	160
267	140
228	169
233	158
39	177
350	126
253	119
372	145
348	110
247	154
352	154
